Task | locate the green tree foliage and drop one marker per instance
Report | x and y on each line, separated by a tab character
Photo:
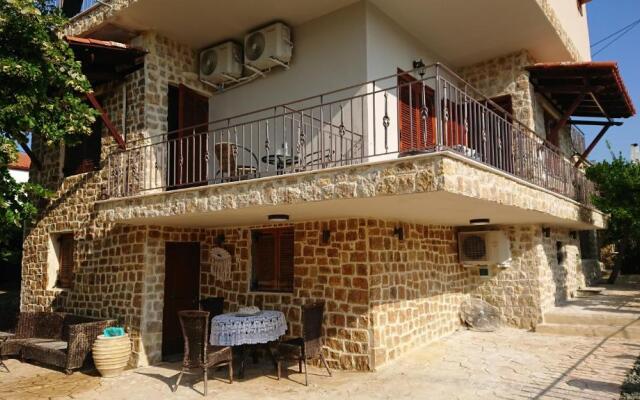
42	93
618	184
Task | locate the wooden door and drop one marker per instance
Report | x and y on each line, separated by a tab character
181	291
416	115
188	116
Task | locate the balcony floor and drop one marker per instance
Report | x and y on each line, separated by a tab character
438	188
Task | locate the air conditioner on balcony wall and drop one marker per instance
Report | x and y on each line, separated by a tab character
484	248
221	63
268	47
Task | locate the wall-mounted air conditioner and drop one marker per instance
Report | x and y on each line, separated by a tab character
221	63
268	47
484	248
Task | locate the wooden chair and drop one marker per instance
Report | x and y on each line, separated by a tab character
228	167
308	346
213	305
197	351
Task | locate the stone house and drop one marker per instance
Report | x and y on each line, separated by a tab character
419	121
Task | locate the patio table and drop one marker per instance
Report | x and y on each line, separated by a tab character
234	329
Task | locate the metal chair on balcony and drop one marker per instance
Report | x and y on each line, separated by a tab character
309	345
198	353
316	160
228	168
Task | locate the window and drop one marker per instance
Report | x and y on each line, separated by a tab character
272	260
84	156
61	261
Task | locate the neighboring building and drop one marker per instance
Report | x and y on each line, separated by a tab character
635	152
355	195
19	169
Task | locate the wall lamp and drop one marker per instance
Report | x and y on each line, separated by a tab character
399	232
479	221
278	217
326	236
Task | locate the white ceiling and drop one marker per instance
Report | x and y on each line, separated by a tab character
460	31
435	208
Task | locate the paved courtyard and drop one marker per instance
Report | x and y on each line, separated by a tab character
508	364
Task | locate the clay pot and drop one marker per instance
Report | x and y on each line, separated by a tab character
111	354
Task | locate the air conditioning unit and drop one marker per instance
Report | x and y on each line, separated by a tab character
221	63
484	248
268	47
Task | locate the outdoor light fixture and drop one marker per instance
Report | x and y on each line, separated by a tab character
399	232
326	236
220	239
479	221
278	217
573	234
419	65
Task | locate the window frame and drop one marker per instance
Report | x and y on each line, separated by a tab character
278	235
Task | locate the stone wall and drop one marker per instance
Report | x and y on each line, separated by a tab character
507	75
535	282
416	286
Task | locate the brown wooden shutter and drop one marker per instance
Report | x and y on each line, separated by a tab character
272	259
66	261
286	260
415	134
264	254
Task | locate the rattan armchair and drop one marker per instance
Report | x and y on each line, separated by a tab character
197	351
308	346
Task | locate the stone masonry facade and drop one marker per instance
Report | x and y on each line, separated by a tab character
383	295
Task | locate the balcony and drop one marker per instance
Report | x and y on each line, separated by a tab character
427	111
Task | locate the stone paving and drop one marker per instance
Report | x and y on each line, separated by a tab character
508	364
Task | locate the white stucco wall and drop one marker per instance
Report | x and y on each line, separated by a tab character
19	175
575	24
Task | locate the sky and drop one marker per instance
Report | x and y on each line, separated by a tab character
606	17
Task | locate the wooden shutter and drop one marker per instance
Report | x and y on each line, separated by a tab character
189	150
263	259
272	259
415	134
285	278
66	261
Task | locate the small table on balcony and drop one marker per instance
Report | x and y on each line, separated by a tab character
234	329
281	159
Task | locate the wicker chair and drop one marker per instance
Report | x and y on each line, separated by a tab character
309	345
214	305
197	351
54	338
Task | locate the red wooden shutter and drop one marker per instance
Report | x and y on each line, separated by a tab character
415	133
66	254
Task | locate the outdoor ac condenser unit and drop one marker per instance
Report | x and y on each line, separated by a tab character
484	248
221	63
268	47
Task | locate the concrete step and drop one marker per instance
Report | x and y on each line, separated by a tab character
628	332
589	291
600	318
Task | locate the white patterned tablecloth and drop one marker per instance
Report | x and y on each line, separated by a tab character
232	329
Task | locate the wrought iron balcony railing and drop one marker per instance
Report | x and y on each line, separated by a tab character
421	111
